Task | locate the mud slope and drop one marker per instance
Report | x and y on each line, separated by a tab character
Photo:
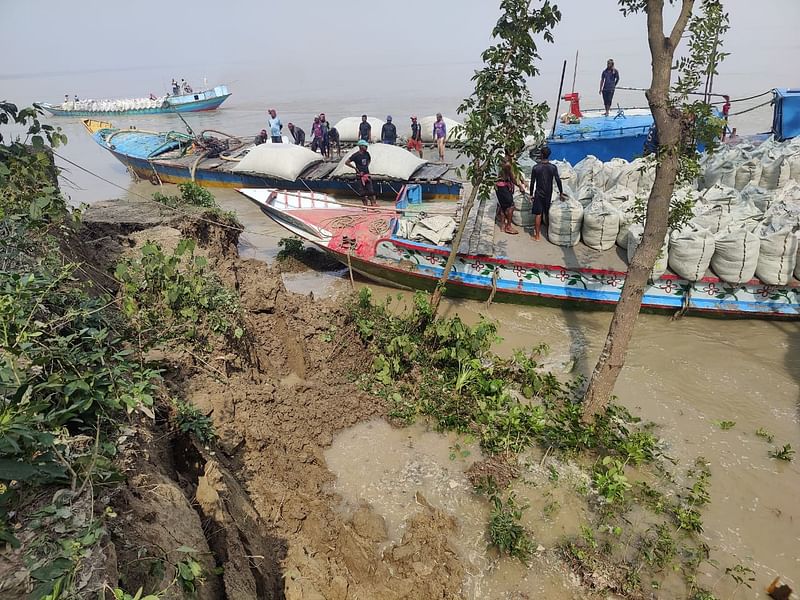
276	399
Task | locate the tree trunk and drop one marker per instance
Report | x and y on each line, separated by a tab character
668	123
451	259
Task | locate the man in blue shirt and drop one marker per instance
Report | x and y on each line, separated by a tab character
275	126
608	83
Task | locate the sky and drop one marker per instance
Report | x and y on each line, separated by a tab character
297	44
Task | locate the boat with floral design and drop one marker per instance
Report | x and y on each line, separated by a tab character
520	270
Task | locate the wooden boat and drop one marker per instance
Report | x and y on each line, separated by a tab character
174	157
209	99
520	271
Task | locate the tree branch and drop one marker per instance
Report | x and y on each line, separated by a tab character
680	24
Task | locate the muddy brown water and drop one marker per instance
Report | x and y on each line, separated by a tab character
685	375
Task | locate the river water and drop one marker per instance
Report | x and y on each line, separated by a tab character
684	375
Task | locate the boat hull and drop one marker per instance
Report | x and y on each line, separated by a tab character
157	172
197	106
363	240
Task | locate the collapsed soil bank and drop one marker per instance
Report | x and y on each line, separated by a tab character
258	503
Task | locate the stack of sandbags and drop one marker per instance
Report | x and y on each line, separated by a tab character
712	218
565	218
647	175
690	252
793	163
735	254
635	233
720	173
601	221
777	256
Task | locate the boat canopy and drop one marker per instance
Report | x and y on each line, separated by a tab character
786	119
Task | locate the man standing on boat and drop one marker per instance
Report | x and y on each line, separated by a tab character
364	130
360	160
415	141
440	134
504	187
275	126
298	134
608	84
325	128
542	176
389	132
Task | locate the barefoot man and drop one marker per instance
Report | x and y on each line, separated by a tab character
504	187
542	176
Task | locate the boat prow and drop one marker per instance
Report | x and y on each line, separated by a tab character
313	216
93	125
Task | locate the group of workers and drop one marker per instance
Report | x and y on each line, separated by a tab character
181	88
324	136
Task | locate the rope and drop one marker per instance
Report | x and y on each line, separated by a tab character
747	110
635	89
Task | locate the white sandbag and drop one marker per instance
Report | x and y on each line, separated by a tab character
348	128
627	177
522	217
690	252
586	194
713	218
600	223
635	233
789	193
567	174
647	176
589	171
797	262
747	172
720	195
612	170
619	194
721	173
565	219
771	171
777	256
760	197
735	255
386	160
793	163
426	123
782	215
625	221
283	161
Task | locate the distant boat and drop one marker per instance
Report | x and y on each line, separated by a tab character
197	101
517	270
211	160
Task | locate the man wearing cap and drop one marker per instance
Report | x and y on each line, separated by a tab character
389	132
415	141
360	160
298	134
275	126
261	138
364	130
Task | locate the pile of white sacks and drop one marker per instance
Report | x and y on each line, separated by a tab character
113	105
746	213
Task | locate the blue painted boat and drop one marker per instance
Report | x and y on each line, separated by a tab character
175	157
367	240
619	135
209	99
